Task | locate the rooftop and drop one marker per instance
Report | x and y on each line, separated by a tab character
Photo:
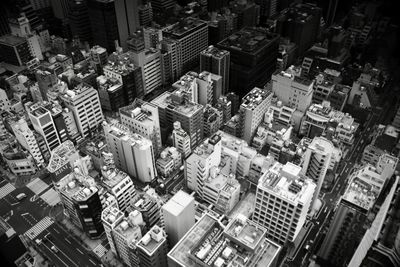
12	40
249	40
360	193
214	52
140	111
175	101
112	177
178	202
184	27
111	214
254	98
151	241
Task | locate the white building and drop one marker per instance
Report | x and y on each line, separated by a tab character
132	152
142	118
84	103
181	140
254	105
293	90
111	217
169	161
283	200
149	60
4	101
178	214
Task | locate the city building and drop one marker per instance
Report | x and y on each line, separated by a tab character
216	61
118	184
174	107
145	14
79	21
322	89
211	243
283	200
84	102
111	93
169	162
4	101
142	118
178	214
80	198
122	67
319	157
46	80
14	50
212	120
191	35
148	207
132	152
62	160
225	107
345	231
19	162
181	140
254	105
292	89
153	248
253	54
111	216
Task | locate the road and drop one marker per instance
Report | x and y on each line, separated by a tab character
25	214
320	222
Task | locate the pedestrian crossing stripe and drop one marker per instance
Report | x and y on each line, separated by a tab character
5	190
39	227
100	250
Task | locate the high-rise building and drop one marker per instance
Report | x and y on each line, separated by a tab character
43	123
142	118
216	61
174	107
81	201
153	248
347	227
79	21
132	152
254	63
27	140
14	50
178	214
181	140
191	35
145	14
318	158
62	160
225	107
254	105
212	120
122	67
161	6
118	184
46	80
283	200
111	218
300	23
152	37
84	102
148	207
111	93
98	58
127	16
293	90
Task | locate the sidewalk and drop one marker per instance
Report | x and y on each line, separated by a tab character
88	243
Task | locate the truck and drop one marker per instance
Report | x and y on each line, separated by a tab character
21	196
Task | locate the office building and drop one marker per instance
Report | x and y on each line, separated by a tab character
162	6
174	107
132	152
145	12
111	93
118	184
81	201
224	107
111	216
14	50
181	140
122	68
62	160
346	229
27	140
300	23
199	163
4	101
126	235
152	37
323	87
98	58
178	214
148	207
212	120
253	54
191	35
142	118
210	242
169	162
79	21
153	248
320	156
43	123
293	90
216	61
18	161
254	105
283	200
46	80
84	102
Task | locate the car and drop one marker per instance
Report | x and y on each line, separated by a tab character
38	241
54	248
307	247
21	196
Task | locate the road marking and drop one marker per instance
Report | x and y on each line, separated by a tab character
52	252
39	227
55	230
24	214
60	250
79	251
92	262
69	242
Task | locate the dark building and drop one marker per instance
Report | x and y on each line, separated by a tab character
11	246
300	23
79	21
235	100
254	54
161	6
248	13
14	50
216	61
268	8
46	80
103	22
213	5
349	224
88	207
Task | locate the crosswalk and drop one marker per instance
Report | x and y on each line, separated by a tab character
100	250
5	190
39	227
